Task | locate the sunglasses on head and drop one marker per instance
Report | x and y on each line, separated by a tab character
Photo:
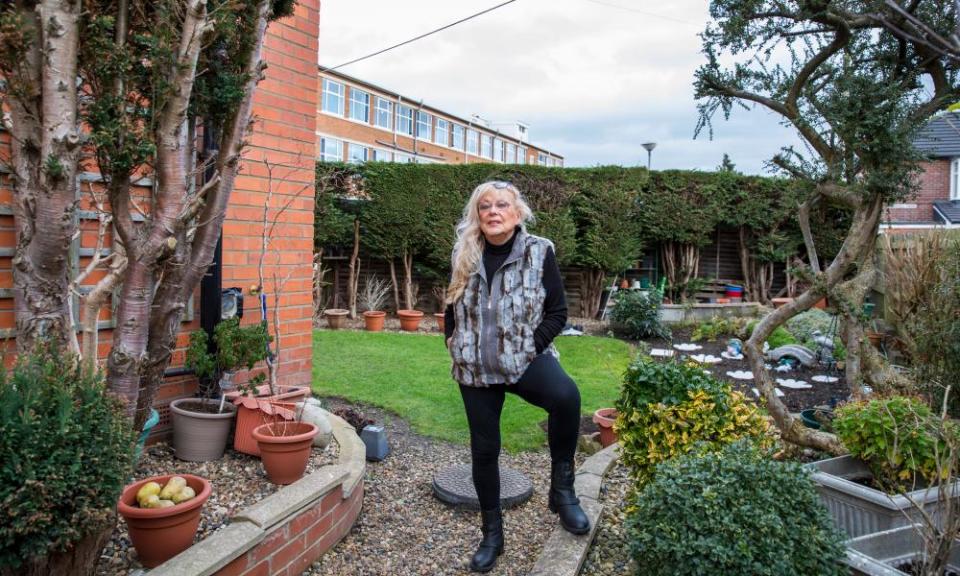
500	184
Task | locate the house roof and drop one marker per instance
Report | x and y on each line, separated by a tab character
947	210
940	138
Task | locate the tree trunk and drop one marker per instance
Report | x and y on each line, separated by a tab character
80	559
396	286
856	247
45	173
354	281
592	292
408	296
746	265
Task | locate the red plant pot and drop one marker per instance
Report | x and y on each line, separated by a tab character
374	320
410	319
285	449
250	415
604	419
159	534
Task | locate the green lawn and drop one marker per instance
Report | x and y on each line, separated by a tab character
410	375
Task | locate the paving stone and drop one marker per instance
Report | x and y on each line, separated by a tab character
296	496
564	553
212	553
600	462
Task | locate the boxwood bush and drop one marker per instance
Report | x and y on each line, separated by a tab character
66	454
732	512
636	314
669	409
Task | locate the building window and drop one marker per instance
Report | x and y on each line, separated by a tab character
542	159
954	175
384	113
332	97
486	146
473	141
443	132
381	155
498	149
511	153
359	105
356	153
404	120
456	140
522	157
403	158
424	124
331	150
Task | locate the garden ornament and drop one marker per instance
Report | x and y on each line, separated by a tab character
801	354
734	347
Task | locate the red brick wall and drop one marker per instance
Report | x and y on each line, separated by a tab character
934	184
294	546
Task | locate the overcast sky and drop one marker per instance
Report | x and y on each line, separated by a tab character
593	78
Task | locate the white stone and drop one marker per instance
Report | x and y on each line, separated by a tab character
661	352
687	347
794	384
310	411
824	378
783	368
705	358
741	375
730	356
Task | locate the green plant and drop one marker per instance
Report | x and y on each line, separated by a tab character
237	347
636	314
67	449
896	437
717	327
779	337
668	409
803	325
734	511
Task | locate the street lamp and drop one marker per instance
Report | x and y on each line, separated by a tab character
649	146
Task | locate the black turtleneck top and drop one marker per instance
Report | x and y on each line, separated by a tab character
554	304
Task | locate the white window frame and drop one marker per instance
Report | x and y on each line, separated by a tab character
442	135
954	175
542	159
359	99
473	142
332	155
522	156
499	149
381	155
424	126
404	117
511	153
383	107
486	146
329	93
456	143
351	146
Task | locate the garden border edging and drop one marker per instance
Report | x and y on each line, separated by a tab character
563	553
290	529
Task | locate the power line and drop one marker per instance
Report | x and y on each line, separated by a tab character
451	25
644	12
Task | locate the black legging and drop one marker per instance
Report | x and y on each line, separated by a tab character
544	384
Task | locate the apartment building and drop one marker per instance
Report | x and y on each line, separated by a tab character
359	122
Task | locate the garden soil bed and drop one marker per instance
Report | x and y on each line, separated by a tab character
796	400
238	481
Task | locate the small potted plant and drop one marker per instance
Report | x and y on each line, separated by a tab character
201	425
440	293
604	418
336	317
372	298
285	444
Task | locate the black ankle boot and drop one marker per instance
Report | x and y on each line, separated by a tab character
491	546
563	499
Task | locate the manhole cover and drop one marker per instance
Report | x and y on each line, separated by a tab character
454	485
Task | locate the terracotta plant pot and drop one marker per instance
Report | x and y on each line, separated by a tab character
200	435
778	302
410	319
604	419
285	449
821	304
876	338
250	413
439	316
336	317
159	534
374	320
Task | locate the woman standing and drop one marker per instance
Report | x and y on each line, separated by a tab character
505	305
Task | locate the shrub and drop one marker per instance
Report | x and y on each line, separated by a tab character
803	325
668	409
733	512
779	337
636	314
896	437
67	450
717	327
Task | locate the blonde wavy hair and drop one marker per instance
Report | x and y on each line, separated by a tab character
468	247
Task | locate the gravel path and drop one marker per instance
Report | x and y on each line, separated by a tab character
404	530
238	481
610	553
